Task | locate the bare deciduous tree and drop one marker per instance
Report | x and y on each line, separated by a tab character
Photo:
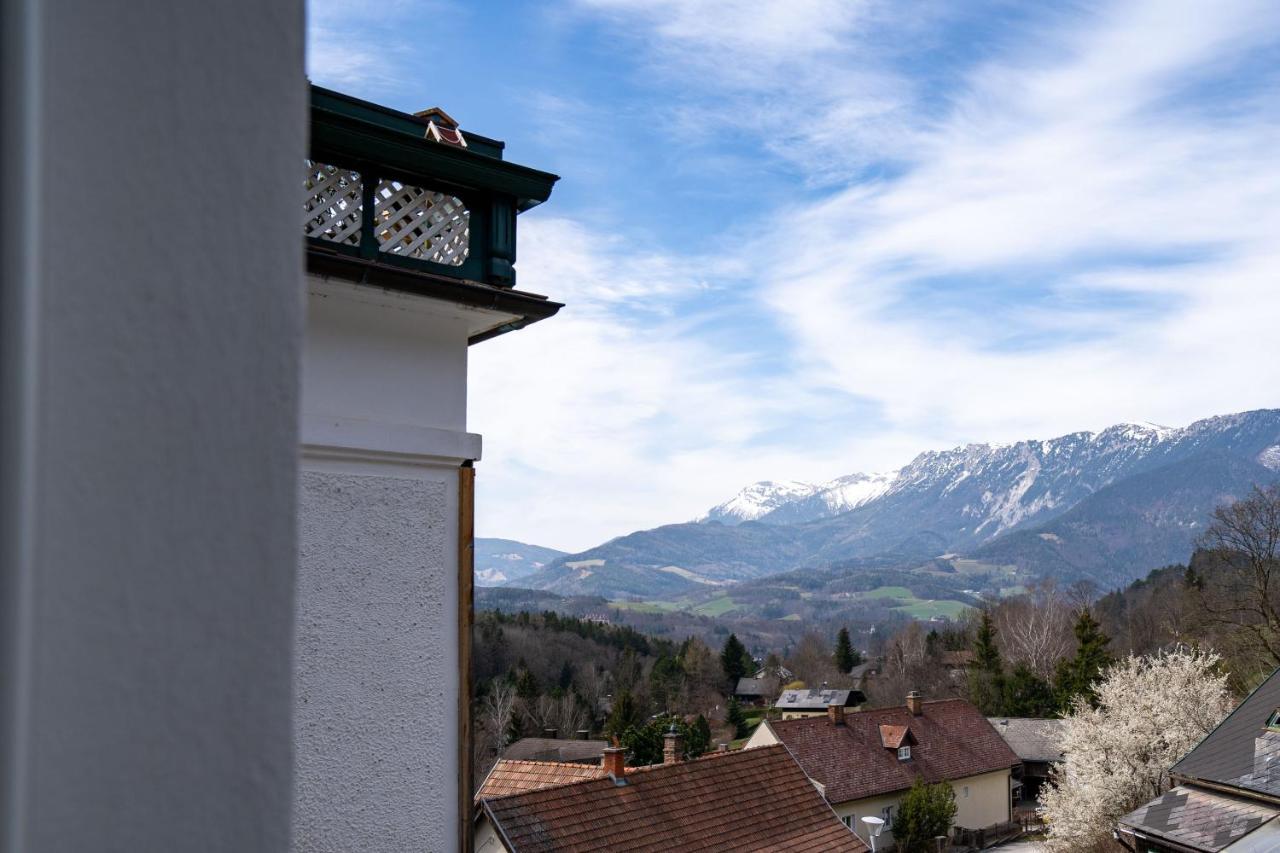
1238	583
499	708
1035	629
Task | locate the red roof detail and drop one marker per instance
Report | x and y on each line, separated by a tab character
749	800
952	740
894	736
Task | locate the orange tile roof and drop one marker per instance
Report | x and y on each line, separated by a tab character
510	776
893	736
753	800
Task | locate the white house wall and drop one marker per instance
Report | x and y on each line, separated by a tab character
377	681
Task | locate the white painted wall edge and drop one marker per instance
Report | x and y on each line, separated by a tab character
478	320
336	437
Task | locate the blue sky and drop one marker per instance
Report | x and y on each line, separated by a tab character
803	239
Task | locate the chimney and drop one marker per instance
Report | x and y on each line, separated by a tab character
672	746
583	734
914	704
550	733
614	761
722	747
835	713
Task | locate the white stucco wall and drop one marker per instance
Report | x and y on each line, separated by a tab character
383	420
152	323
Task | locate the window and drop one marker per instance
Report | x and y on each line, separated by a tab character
848	820
887	814
904	752
966	792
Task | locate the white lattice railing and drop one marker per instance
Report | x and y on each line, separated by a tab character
415	223
409	221
331	203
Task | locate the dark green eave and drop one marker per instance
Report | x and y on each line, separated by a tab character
528	307
347	129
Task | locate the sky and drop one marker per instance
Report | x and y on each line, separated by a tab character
803	239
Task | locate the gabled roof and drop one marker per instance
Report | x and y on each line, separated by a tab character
814	699
1242	752
892	737
515	777
1032	739
752	800
751	687
1200	819
555	749
952	740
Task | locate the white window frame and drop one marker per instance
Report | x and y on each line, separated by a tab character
886	814
904	753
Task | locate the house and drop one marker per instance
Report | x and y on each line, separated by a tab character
1226	795
557	750
510	776
755	691
743	801
862	673
779	672
409	228
865	761
1038	745
814	702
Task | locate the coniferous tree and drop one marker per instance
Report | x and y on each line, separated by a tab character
699	737
625	715
986	653
1078	675
737	719
732	659
526	684
925	813
846	657
1028	695
986	679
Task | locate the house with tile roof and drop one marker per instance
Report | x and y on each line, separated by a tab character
1226	795
1038	744
754	800
864	762
511	776
577	751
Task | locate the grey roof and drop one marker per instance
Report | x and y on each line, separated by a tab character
1199	819
751	687
1030	738
555	749
862	670
1241	752
814	699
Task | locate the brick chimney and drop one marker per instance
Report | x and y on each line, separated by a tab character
835	713
614	761
914	704
672	746
583	734
550	733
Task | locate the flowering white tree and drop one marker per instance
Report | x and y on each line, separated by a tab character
1152	711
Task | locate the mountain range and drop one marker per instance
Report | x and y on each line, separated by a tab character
1103	506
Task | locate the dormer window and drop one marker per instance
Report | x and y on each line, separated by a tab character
904	753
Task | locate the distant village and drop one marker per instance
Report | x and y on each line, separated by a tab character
1041	722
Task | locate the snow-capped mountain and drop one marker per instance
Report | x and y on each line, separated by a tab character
793	501
959	501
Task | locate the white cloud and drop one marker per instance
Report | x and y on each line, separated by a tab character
1065	151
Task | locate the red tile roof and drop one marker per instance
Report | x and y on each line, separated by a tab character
952	740
752	800
892	737
509	776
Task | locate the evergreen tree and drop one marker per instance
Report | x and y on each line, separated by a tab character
1027	695
732	659
625	715
986	653
1077	676
986	678
846	657
699	737
737	719
526	685
925	813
